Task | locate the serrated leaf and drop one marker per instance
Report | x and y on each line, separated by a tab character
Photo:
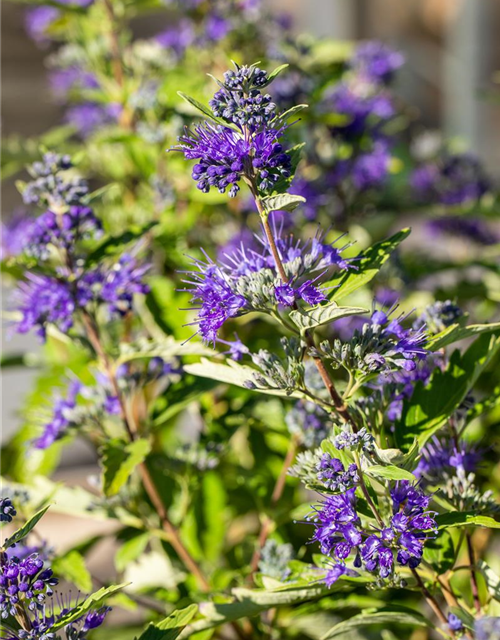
306	319
388	615
464	519
389	472
71	567
455	332
369	264
282	202
396	457
131	550
491	578
171	627
206	111
94	601
119	460
23	531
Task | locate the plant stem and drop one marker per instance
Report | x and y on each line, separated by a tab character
147	480
432	602
279	487
364	489
473	575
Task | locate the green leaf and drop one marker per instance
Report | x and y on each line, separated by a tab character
114	244
131	550
396	457
119	460
206	111
171	627
455	332
94	601
491	578
274	74
233	373
368	265
71	567
283	184
166	349
464	519
306	319
280	118
389	472
440	553
431	405
387	615
282	202
23	531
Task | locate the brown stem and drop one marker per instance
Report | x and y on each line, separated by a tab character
432	602
473	575
146	477
279	487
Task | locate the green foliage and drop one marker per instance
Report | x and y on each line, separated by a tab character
387	615
94	601
119	460
23	531
171	627
306	319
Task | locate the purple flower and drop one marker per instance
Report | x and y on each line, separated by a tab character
310	421
38	20
333	476
42	301
61	419
14	234
336	572
62	230
216	27
177	38
64	81
247	280
376	61
7	510
441	459
95	618
371	169
472	229
87	117
223	155
454	623
452	179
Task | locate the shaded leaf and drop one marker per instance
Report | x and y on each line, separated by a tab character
119	460
465	519
388	615
491	578
369	264
455	332
71	567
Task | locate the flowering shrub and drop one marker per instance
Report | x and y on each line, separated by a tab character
293	421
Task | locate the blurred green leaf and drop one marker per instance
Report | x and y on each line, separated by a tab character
119	460
171	627
71	566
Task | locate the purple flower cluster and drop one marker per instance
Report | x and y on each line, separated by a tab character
246	280
468	228
333	476
87	117
61	229
39	20
51	185
25	581
14	234
65	80
339	532
177	38
41	301
309	421
225	157
376	61
61	419
7	510
452	179
44	300
441	458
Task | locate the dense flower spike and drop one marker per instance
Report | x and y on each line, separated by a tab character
309	421
246	280
7	510
25	582
274	560
333	475
51	185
